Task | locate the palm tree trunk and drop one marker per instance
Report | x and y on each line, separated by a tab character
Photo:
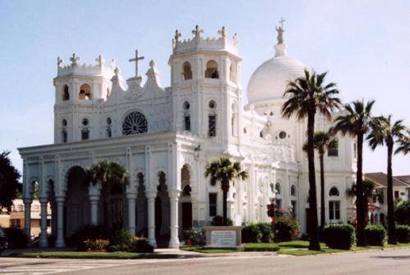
390	203
225	207
313	234
322	194
361	238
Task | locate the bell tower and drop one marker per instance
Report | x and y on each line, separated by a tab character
80	90
206	87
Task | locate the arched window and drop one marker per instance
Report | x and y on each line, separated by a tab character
187	116
333	150
293	190
134	123
212	119
334	191
85	134
108	129
187	71
211	69
85	92
334	205
66	94
64	135
278	189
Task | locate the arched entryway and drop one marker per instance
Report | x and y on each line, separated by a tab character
77	209
162	212
185	221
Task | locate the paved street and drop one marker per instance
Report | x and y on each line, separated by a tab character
376	262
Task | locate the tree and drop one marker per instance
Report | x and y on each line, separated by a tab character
386	132
321	142
9	183
404	144
109	174
224	171
369	193
356	123
402	212
306	96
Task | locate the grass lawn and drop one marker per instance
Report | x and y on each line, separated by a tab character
300	248
94	255
209	250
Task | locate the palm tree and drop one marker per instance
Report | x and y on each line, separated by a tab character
404	144
109	174
224	171
385	131
356	123
369	192
322	141
306	96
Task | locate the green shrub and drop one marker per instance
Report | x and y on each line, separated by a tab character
194	236
375	234
96	245
87	232
219	221
258	232
251	234
285	229
141	246
339	236
266	231
403	233
402	212
16	238
120	240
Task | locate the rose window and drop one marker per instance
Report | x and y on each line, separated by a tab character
134	123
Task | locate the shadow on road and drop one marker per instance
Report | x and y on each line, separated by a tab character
398	257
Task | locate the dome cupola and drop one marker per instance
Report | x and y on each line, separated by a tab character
270	79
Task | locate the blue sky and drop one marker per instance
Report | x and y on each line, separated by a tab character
363	44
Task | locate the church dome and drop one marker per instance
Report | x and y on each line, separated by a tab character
270	79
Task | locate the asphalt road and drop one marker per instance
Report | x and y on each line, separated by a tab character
392	262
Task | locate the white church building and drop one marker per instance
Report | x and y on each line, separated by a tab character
166	136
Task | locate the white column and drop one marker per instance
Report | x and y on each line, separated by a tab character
131	197
43	243
60	222
94	197
151	218
27	217
173	200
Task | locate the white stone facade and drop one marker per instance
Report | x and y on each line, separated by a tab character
169	135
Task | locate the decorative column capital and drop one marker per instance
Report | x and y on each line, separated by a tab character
60	199
174	194
43	200
151	194
27	200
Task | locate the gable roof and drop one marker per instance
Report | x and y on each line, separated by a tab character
381	179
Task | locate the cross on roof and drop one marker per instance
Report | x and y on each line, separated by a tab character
136	59
197	31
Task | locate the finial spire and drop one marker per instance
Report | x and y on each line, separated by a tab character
74	59
222	32
197	32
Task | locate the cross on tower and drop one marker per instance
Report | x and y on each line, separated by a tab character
136	59
197	31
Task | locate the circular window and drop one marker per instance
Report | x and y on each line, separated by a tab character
212	104
85	122
109	121
186	105
282	135
134	123
64	122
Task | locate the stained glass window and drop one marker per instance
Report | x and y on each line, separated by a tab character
134	123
